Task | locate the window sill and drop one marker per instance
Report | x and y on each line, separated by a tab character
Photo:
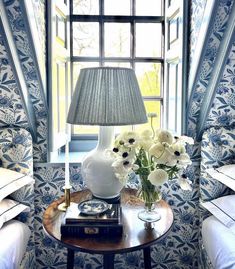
77	151
74	158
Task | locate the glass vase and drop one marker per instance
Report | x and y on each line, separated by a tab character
150	195
149	213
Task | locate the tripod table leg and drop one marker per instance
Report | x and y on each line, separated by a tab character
70	259
147	258
108	261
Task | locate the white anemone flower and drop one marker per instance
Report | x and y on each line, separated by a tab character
128	139
127	154
179	156
181	160
184	160
164	136
185	139
185	183
158	177
123	166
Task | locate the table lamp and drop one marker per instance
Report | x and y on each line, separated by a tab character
107	97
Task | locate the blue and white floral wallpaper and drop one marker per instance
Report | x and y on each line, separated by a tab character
216	35
222	111
19	30
11	109
197	12
180	249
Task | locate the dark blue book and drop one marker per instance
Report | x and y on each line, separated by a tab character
84	229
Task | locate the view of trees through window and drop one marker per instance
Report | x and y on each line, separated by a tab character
124	33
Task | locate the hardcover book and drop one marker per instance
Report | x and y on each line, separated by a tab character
84	229
78	224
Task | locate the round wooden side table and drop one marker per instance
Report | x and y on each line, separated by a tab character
135	234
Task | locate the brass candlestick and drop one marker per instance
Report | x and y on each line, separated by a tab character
66	203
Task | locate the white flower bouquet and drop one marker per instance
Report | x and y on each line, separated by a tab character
155	159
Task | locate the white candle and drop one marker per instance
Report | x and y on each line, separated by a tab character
67	183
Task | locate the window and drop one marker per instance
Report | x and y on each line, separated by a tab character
124	33
58	52
149	36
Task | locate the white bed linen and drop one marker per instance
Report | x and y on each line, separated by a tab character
223	208
219	242
14	236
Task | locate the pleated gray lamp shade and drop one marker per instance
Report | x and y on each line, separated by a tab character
107	96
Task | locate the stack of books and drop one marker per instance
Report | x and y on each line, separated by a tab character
78	224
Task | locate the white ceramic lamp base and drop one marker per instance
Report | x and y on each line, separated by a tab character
97	170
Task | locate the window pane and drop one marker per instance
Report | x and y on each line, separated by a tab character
61	29
151	107
76	69
117	64
117	39
149	7
117	7
148	39
149	78
85	39
88	7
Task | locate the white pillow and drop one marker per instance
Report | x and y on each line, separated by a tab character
223	209
218	241
225	174
10	209
11	181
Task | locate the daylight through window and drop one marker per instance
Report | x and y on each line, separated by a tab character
124	33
